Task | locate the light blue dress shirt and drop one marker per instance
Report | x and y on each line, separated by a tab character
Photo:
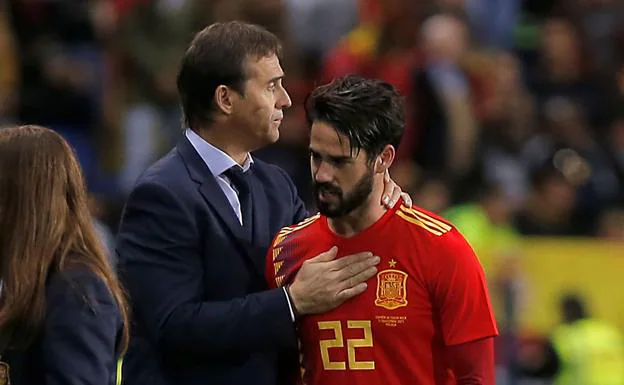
219	162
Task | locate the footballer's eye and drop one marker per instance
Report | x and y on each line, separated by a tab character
339	161
315	156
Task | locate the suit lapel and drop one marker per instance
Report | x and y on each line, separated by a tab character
260	217
216	199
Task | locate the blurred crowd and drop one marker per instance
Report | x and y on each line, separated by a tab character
515	112
515	107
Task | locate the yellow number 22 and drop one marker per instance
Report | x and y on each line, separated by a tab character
338	342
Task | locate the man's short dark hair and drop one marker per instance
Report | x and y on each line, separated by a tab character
217	56
371	113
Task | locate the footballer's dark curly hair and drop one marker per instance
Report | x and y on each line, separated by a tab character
370	112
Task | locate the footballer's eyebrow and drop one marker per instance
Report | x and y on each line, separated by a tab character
340	159
333	159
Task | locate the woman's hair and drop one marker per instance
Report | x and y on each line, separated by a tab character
45	227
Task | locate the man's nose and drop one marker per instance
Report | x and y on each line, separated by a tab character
323	173
283	101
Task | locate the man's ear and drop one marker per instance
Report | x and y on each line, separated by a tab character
385	159
223	98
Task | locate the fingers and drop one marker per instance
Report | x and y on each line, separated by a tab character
351	261
327	256
359	278
391	192
356	269
389	186
396	194
351	292
407	200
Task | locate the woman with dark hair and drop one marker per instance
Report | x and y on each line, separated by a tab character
63	314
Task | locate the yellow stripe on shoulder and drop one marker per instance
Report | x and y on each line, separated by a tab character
427	222
277	266
283	233
276	252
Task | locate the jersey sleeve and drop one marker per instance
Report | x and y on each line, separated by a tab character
460	292
269	268
288	250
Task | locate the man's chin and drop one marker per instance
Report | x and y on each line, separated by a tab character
270	137
329	212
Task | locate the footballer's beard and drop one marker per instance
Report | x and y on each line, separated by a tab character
343	204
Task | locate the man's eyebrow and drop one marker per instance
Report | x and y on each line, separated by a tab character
275	79
340	158
333	158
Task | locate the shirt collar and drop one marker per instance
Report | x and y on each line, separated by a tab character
217	161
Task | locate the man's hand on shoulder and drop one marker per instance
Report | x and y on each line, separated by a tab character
324	282
392	192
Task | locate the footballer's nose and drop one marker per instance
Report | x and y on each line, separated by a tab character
323	173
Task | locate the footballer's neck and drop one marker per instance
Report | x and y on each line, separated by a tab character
362	217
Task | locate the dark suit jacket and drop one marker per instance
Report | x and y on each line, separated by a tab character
78	343
203	314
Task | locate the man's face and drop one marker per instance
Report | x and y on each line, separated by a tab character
342	181
259	111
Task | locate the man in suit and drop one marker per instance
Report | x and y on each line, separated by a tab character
198	223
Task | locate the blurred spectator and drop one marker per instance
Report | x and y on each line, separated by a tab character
488	225
60	53
492	21
407	175
549	206
382	46
591	351
509	122
443	95
337	18
153	35
572	146
536	362
611	225
601	20
433	195
565	70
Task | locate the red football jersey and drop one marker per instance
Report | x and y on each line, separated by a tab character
430	292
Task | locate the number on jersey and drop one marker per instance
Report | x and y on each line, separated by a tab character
352	344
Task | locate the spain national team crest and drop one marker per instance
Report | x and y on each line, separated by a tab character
391	288
4	374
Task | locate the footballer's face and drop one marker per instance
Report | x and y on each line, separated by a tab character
342	181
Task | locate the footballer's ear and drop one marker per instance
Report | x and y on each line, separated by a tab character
224	99
385	159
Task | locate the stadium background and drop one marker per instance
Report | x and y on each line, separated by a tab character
515	129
